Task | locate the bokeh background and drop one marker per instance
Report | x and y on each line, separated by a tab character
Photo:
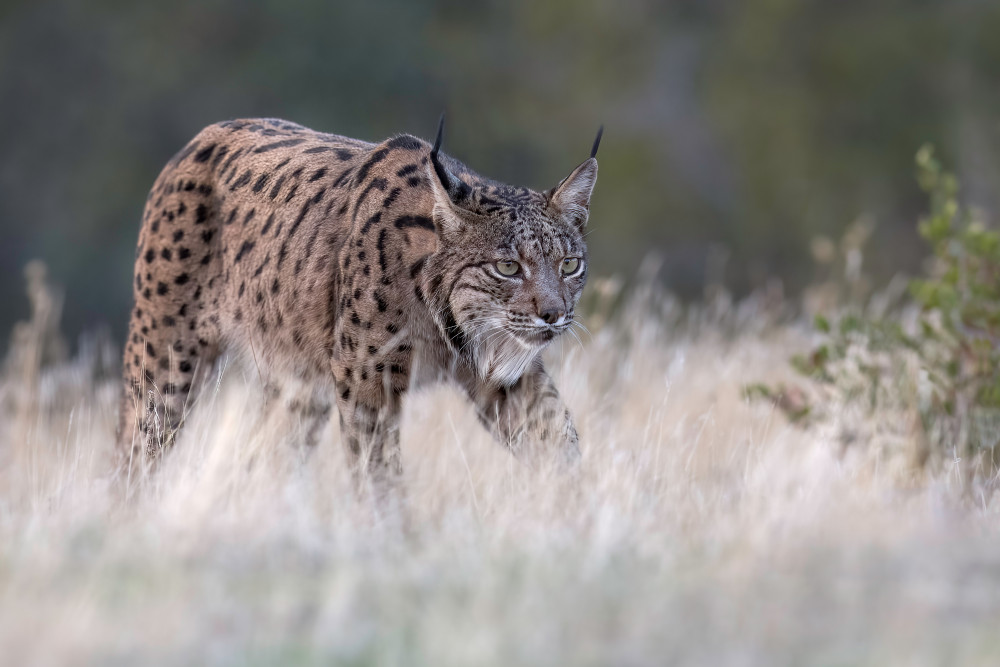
737	130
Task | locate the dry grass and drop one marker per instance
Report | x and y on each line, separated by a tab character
700	529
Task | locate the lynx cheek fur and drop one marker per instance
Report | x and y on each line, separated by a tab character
352	272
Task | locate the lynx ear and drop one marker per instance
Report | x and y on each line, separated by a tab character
571	198
449	191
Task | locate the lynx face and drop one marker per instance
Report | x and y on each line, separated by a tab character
525	265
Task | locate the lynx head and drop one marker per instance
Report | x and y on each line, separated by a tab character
512	261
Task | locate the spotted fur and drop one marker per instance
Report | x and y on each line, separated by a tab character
350	272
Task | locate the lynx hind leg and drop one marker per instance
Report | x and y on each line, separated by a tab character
172	345
162	369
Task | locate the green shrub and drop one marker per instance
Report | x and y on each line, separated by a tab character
936	356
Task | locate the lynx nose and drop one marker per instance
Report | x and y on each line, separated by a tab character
551	316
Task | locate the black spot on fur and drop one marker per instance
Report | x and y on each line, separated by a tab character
277	187
405	142
267	224
342	178
244	249
376	157
282	253
241	181
219	155
417	221
381	249
260	182
205	153
286	143
391	199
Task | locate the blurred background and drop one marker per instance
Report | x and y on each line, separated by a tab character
737	131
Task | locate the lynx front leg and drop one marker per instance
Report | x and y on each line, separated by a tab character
529	416
371	442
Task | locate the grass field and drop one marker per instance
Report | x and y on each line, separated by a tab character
700	528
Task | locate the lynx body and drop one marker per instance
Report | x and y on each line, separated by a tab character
351	271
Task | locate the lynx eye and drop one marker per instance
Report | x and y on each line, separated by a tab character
508	267
570	265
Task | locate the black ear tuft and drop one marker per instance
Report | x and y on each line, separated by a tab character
439	169
593	151
440	135
457	189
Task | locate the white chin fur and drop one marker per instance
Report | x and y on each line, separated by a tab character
505	361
